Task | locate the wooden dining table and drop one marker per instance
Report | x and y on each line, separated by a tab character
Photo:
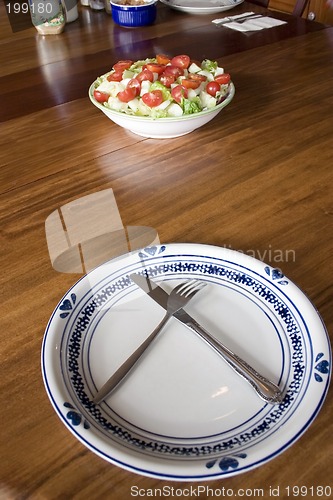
257	179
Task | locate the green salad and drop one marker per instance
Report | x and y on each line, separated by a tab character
162	86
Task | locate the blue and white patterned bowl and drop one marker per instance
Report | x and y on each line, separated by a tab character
183	414
133	16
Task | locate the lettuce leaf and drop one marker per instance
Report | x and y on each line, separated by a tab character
209	65
191	106
159	86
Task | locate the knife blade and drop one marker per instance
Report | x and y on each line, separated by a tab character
179	296
266	390
238	19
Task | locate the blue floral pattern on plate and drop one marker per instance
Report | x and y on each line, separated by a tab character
75	417
226	463
323	367
67	306
276	274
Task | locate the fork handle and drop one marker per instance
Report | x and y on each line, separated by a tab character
266	389
123	369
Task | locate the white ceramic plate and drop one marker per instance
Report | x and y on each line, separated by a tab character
182	413
202	6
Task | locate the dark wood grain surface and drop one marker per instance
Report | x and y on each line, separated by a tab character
258	177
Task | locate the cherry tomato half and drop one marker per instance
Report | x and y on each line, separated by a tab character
156	68
190	84
223	79
115	76
212	88
178	93
127	95
145	74
101	96
182	61
153	98
134	84
170	69
167	80
122	65
197	77
162	59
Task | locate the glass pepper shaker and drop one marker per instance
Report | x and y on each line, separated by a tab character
71	10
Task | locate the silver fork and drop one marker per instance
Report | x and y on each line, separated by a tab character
178	298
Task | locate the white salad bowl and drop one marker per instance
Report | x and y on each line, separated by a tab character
162	128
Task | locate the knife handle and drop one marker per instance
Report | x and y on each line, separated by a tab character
266	389
124	369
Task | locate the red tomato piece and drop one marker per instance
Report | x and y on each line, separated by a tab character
145	74
153	98
223	79
190	84
178	93
198	78
115	76
101	96
122	65
134	84
167	80
182	61
162	59
127	95
212	88
170	69
156	68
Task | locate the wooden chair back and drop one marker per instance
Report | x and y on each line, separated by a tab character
298	9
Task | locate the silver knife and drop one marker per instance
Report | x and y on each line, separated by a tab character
237	19
267	390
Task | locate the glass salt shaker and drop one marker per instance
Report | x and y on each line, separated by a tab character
47	16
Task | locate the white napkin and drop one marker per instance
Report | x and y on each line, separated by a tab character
253	24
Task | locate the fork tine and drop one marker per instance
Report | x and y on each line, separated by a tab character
194	289
182	287
190	287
